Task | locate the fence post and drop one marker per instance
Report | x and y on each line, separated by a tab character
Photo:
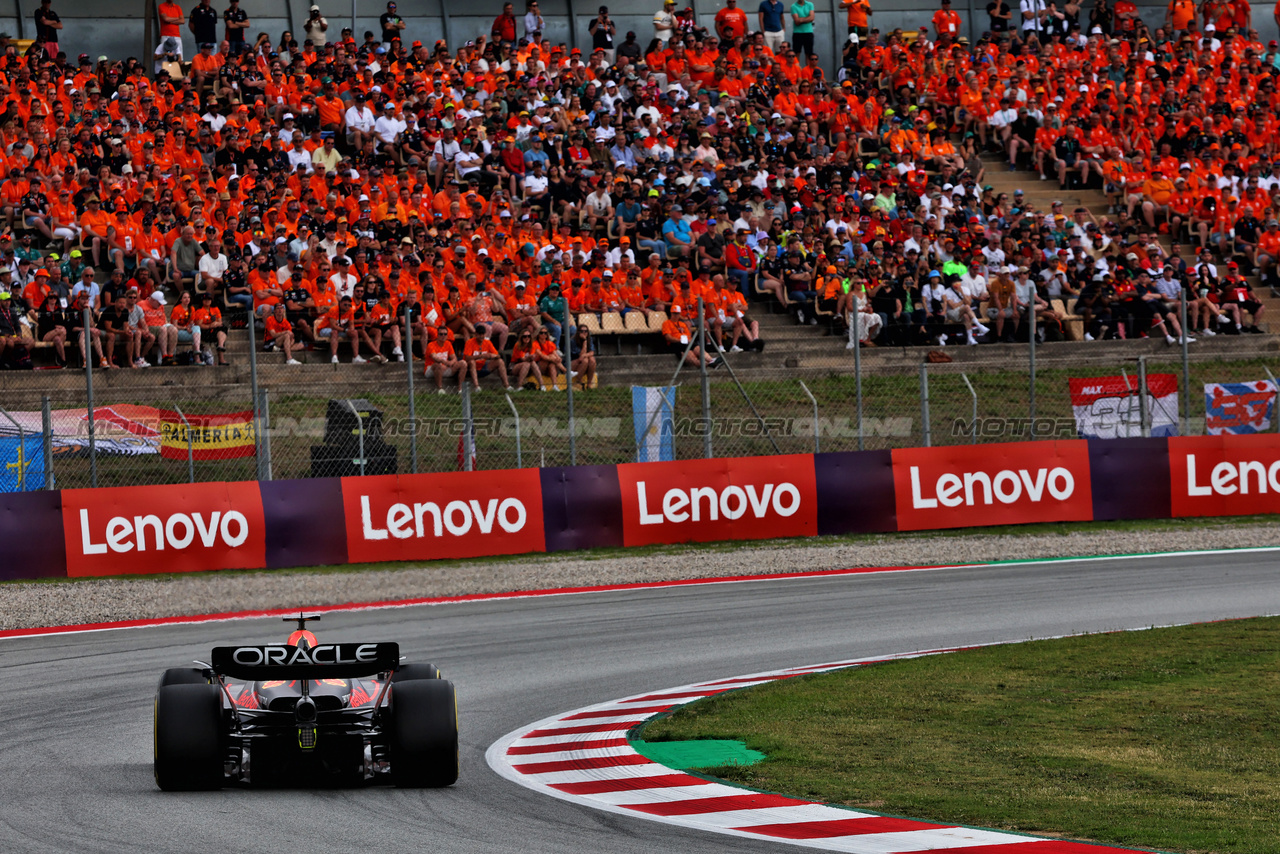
973	424
857	385
816	432
515	412
1143	414
46	425
359	433
468	446
265	409
1275	416
88	387
925	438
706	382
253	393
1186	364
407	348
568	388
1031	366
191	460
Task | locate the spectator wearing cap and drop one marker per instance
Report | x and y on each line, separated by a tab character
94	224
664	23
676	234
317	28
603	32
171	21
212	268
164	333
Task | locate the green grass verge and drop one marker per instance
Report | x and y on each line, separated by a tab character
727	548
1165	739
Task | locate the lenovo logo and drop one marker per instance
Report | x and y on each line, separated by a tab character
1006	484
704	503
459	518
445	515
178	531
1228	478
746	498
978	487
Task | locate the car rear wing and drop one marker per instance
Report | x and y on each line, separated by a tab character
323	661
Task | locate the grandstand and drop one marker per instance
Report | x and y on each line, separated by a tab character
393	155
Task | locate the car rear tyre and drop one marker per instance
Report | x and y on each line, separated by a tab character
412	672
188	738
183	676
424	734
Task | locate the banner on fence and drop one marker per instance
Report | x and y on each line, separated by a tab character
744	498
122	429
1224	475
1234	409
1008	484
1109	407
211	437
654	412
21	463
178	528
169	528
446	515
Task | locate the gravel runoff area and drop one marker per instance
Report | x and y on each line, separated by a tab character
27	605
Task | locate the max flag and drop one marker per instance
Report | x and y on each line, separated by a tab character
1110	408
653	410
1231	409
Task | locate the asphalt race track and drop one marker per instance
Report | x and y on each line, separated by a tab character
76	731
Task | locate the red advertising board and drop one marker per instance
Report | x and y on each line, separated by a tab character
749	498
1224	475
150	529
449	515
1007	484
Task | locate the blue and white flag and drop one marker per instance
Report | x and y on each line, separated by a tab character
654	412
1238	408
21	463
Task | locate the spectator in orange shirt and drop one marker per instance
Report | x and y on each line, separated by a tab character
524	360
547	357
279	335
1158	192
476	356
946	24
731	22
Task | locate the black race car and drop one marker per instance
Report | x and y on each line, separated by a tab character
306	712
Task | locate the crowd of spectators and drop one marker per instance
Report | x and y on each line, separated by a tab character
328	187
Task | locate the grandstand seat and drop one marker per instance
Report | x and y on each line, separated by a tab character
656	319
635	323
589	320
1072	324
611	324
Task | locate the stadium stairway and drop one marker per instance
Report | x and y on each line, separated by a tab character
1041	195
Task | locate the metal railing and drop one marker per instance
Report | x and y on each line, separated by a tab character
107	428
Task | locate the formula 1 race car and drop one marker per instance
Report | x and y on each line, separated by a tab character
303	711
